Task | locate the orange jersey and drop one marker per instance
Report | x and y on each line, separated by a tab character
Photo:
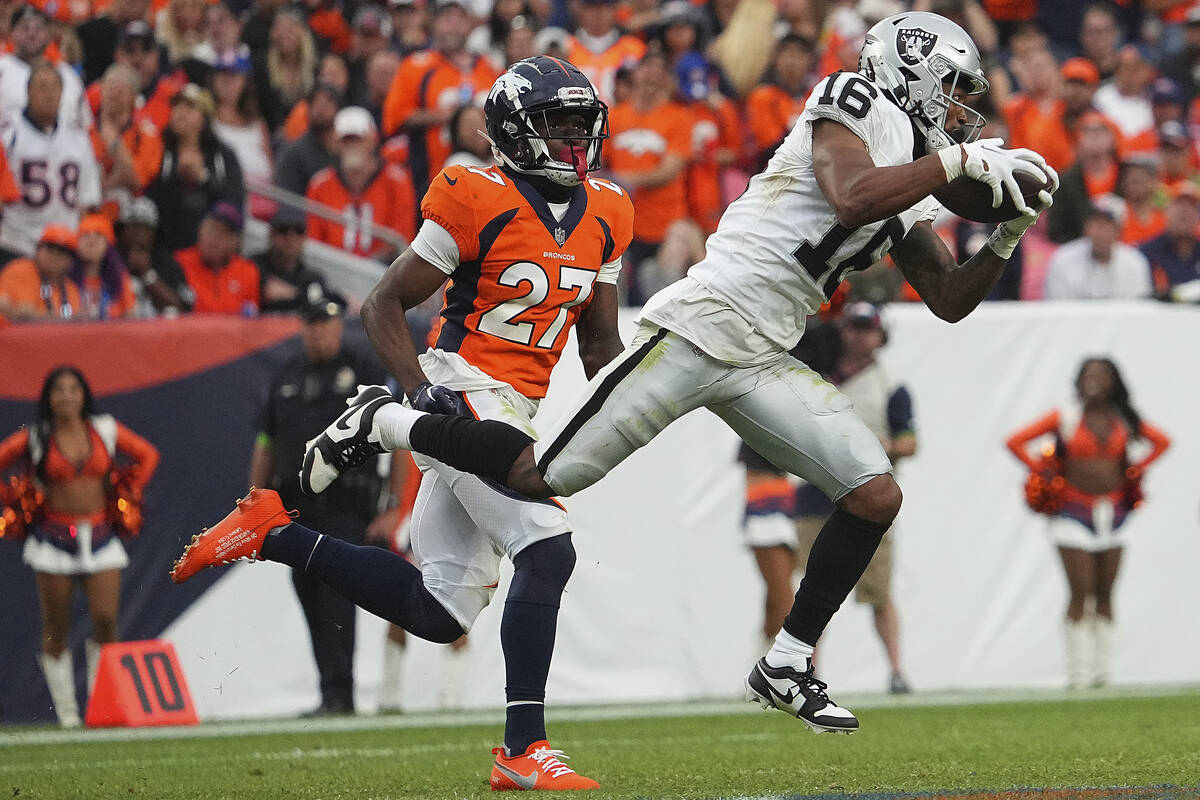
523	277
387	202
156	108
230	290
713	131
428	80
1041	129
601	68
1139	229
22	288
640	141
772	113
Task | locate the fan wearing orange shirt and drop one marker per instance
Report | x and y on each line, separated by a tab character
532	247
38	288
220	279
432	83
1087	452
716	138
651	146
1035	116
773	107
138	49
128	147
599	49
375	198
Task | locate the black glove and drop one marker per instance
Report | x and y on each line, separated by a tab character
434	399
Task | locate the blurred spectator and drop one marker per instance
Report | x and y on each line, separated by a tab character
1035	115
467	140
299	400
238	123
369	194
58	177
286	283
256	29
1137	185
773	107
138	50
330	26
222	34
520	42
430	85
1184	67
1093	175
98	36
72	452
802	18
648	155
300	160
680	30
332	72
371	34
716	139
158	282
380	69
29	39
130	148
598	47
410	23
1174	255
1098	266
1178	155
1099	37
220	279
198	170
1125	100
1080	79
179	27
283	70
37	288
1167	102
105	290
488	39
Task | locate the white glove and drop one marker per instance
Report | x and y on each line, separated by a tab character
988	162
1004	239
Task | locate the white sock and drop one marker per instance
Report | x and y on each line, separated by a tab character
394	421
391	684
789	651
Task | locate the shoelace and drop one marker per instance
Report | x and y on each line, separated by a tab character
548	760
816	687
355	454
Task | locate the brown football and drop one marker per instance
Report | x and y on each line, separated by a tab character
972	199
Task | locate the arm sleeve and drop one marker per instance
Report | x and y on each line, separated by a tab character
401	99
900	413
13	449
436	245
1040	427
1159	442
144	454
610	272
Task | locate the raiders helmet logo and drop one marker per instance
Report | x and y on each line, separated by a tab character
914	45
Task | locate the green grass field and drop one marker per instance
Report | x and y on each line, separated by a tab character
904	749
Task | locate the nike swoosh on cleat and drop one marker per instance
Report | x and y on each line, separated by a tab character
524	781
786	698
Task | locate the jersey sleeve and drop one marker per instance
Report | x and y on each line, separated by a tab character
848	99
435	245
403	94
89	180
451	203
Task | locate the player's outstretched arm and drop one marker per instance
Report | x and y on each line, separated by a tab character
409	281
596	329
951	291
859	191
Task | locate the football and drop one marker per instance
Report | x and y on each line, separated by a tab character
972	199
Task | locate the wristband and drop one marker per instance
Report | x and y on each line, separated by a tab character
952	158
1004	240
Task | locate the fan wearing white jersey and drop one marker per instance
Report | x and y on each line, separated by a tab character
29	36
54	166
851	182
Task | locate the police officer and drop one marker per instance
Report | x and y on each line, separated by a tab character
304	395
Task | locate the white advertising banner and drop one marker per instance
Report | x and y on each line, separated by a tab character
666	604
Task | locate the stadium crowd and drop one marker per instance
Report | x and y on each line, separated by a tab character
141	136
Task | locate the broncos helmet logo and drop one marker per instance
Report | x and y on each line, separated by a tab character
512	84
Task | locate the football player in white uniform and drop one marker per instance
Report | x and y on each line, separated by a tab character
851	182
53	164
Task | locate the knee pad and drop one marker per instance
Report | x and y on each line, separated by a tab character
543	568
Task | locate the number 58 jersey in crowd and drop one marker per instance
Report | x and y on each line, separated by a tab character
57	175
521	270
779	251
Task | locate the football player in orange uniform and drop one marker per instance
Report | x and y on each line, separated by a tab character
531	246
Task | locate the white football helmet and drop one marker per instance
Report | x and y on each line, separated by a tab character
920	59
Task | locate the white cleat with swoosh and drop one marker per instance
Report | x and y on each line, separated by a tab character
799	693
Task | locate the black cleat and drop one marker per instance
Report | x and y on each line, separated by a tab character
799	694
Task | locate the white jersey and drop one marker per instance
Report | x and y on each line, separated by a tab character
779	251
73	108
57	174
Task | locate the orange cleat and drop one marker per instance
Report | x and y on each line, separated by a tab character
239	535
539	768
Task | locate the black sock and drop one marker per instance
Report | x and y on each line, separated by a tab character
375	579
838	559
482	447
527	631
